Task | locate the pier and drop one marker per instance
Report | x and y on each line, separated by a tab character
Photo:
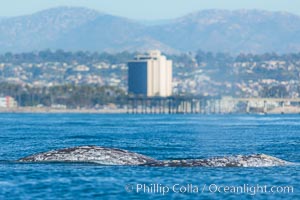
173	105
210	105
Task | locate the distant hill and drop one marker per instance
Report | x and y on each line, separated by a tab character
233	31
109	33
39	30
75	29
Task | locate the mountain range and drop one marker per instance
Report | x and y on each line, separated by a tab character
75	28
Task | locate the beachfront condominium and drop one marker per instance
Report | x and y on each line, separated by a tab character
150	75
8	102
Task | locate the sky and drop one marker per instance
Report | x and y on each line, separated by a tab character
147	9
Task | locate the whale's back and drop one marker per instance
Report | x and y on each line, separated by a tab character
111	156
100	155
254	160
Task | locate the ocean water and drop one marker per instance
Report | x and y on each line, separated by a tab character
158	136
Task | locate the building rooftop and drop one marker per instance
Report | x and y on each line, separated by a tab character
151	55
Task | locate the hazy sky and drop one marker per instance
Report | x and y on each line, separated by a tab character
147	9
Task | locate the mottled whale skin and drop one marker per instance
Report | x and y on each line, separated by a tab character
93	154
255	160
111	156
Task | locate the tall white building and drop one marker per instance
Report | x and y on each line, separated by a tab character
150	75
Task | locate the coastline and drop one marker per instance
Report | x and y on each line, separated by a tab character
286	110
55	110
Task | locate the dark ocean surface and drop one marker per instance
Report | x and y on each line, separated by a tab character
158	136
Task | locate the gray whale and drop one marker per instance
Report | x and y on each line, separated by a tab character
93	154
111	156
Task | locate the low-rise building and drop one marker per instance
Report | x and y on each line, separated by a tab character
8	102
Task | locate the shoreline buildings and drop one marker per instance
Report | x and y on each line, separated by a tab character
8	102
150	75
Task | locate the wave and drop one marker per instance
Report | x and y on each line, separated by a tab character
112	156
